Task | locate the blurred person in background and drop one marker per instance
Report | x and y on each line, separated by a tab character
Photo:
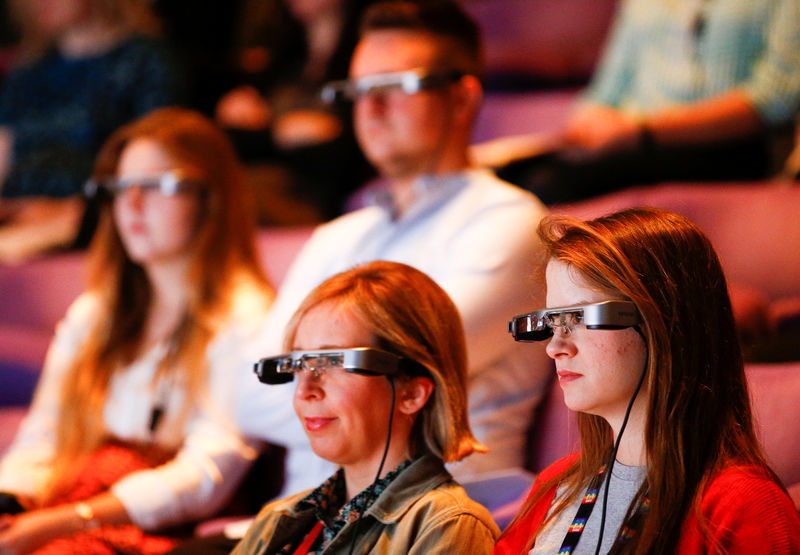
686	90
130	430
84	68
290	48
415	85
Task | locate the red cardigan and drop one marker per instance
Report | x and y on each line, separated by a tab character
747	513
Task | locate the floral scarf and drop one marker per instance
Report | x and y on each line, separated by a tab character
327	501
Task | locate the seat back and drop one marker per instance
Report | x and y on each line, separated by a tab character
754	227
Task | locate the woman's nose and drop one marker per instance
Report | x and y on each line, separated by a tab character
133	197
309	384
561	344
371	104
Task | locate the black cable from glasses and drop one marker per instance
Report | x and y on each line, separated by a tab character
610	465
380	467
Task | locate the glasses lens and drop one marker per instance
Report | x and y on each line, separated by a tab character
275	370
565	321
529	327
167	184
321	362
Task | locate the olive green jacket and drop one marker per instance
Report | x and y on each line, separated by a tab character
423	511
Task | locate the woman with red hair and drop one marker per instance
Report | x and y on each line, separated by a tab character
641	330
129	430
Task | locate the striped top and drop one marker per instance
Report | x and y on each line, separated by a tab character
666	52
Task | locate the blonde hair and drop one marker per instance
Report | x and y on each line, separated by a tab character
224	255
411	316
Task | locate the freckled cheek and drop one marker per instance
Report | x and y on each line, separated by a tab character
607	360
599	349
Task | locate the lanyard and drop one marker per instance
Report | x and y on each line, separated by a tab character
308	541
627	530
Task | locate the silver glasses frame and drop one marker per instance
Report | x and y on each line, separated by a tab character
606	315
358	360
168	183
409	82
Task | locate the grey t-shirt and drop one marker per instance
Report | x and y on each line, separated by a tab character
625	482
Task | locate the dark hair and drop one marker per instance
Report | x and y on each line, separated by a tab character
698	413
443	19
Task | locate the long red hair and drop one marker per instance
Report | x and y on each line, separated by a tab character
698	415
224	254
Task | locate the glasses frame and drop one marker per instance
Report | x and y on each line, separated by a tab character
605	315
168	184
409	82
366	361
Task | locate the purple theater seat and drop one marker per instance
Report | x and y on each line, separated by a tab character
22	353
504	114
774	393
542	40
39	292
277	248
24	345
19	383
33	298
10	418
754	227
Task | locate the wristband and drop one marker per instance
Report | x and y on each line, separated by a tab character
86	514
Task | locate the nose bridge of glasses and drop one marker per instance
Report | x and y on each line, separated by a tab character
376	86
131	194
564	321
166	184
316	365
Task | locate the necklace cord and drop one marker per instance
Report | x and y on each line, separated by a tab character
380	467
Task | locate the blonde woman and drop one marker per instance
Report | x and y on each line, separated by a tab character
127	432
379	358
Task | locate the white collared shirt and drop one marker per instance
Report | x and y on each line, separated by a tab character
211	454
475	235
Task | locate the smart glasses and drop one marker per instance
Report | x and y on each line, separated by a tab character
540	325
167	184
407	82
360	360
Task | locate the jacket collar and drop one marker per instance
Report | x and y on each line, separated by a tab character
425	474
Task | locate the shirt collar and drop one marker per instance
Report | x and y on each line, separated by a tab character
429	191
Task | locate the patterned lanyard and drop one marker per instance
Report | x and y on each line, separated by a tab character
627	530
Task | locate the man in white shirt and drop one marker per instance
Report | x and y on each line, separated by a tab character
414	78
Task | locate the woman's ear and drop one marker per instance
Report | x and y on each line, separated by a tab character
413	394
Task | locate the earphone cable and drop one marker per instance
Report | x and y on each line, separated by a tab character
610	465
